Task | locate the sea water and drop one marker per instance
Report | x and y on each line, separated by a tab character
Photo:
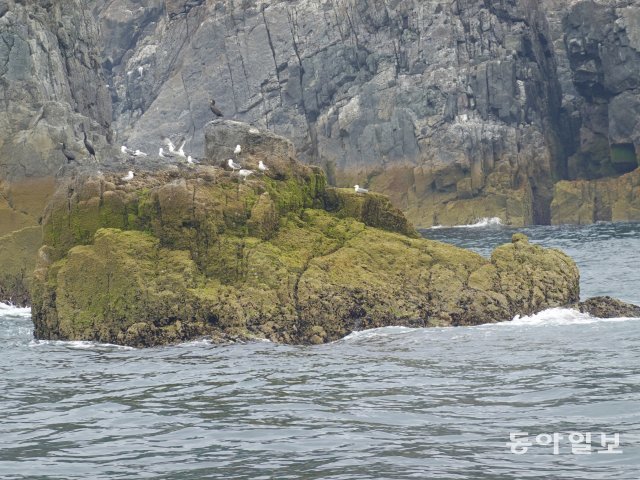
390	403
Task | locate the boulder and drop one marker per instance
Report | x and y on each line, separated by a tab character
607	307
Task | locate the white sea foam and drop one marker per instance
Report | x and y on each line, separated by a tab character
480	223
13	311
560	316
549	317
79	345
378	332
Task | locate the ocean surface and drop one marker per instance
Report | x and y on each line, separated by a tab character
392	403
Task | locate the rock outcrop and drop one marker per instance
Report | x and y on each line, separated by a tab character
583	202
52	87
607	307
179	253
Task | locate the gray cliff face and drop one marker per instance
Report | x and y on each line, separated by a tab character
51	83
455	109
603	46
447	92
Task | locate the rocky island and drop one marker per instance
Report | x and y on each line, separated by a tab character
177	253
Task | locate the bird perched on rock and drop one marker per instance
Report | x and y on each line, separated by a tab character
126	150
129	177
262	167
167	141
233	165
191	160
238	150
216	111
243	173
88	145
164	154
71	157
139	153
358	189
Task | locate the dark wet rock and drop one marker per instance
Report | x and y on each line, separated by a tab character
607	307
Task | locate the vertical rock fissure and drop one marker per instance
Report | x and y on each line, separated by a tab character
293	25
273	53
186	93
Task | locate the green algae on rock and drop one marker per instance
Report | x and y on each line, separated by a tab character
182	253
582	202
17	257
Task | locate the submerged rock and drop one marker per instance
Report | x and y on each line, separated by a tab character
177	254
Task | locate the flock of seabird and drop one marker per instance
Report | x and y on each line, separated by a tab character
242	172
173	151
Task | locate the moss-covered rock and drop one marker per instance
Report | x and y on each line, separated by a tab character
17	258
178	254
372	209
581	202
21	205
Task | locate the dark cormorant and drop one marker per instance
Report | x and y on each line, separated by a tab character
216	111
70	155
89	146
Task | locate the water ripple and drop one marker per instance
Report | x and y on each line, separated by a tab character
389	403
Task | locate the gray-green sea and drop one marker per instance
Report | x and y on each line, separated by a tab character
392	403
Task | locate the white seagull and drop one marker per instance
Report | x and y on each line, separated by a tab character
238	150
161	153
358	189
245	173
139	153
180	151
126	150
129	176
191	161
262	167
233	165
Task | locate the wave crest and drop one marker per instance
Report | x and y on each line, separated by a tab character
8	310
561	316
480	223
